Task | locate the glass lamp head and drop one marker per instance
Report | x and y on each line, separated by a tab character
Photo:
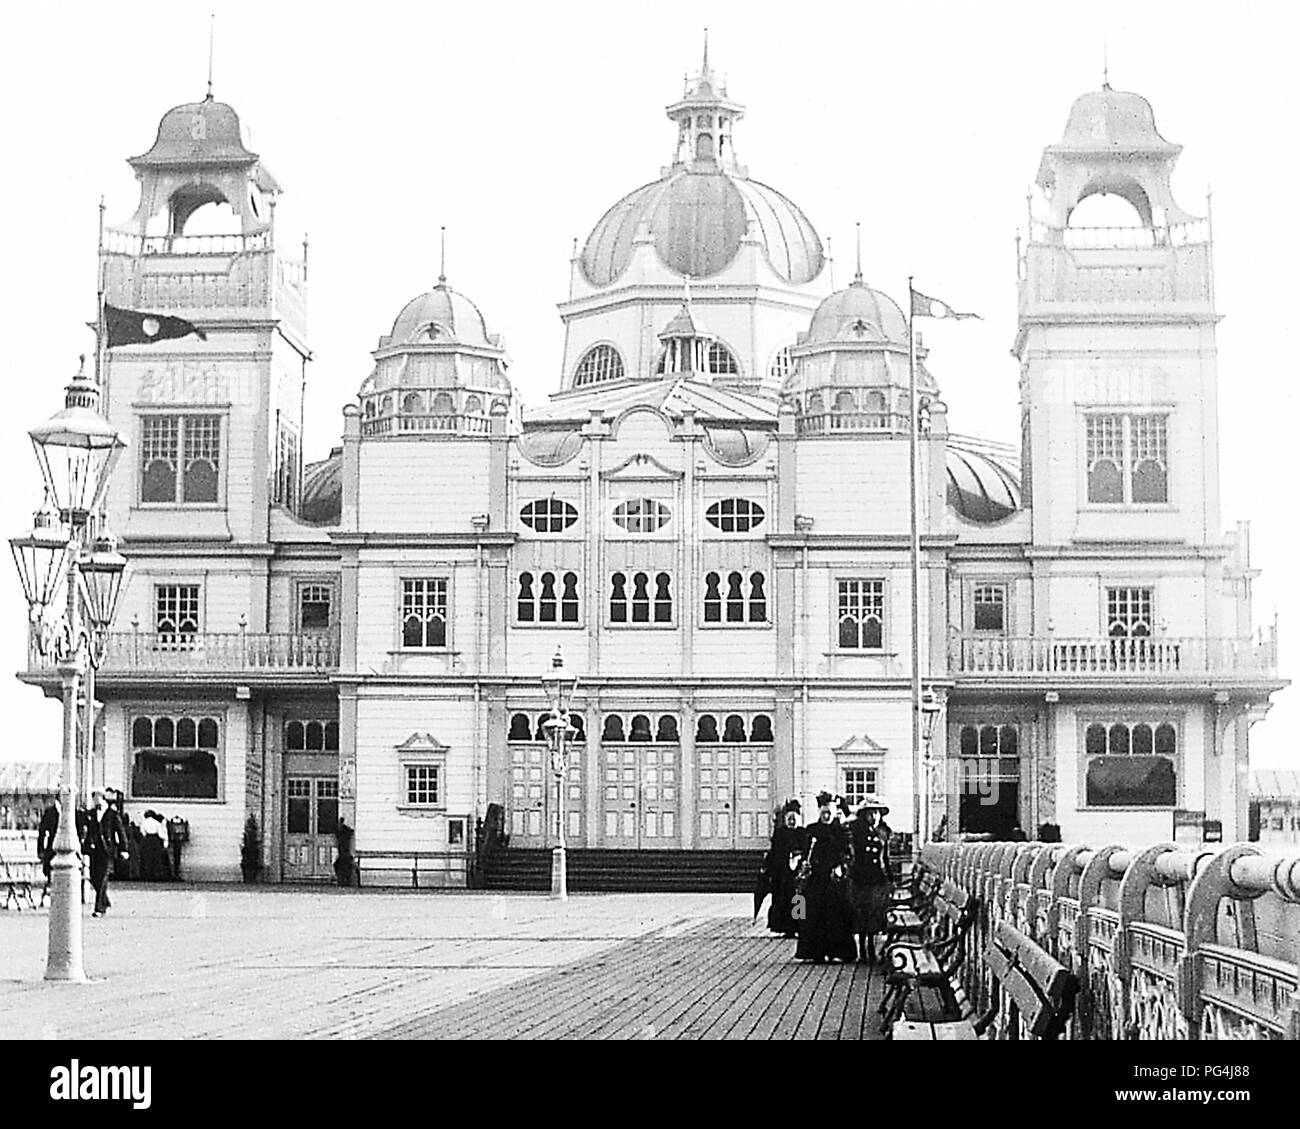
41	557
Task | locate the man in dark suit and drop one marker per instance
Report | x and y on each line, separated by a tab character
45	836
105	840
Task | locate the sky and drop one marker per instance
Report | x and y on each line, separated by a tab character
516	126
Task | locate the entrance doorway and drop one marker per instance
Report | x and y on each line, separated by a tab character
310	821
733	796
640	796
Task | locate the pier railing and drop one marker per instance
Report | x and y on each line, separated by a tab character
1168	941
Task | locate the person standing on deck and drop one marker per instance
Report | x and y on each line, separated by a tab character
827	932
869	876
783	858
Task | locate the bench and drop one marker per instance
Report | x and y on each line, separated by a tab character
932	960
20	878
1032	990
453	863
913	906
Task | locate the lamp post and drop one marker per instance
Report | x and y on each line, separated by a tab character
76	449
559	685
930	709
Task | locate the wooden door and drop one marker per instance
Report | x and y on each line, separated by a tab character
533	814
640	796
310	822
733	796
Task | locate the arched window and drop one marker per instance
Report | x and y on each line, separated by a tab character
757	599
735	598
667	728
1105	440
844	402
1131	766
526	597
549	604
142	732
722	362
332	736
186	733
520	728
613	730
815	406
473	405
989	741
618	598
412	404
569	598
598	364
969	743
706	728
761	729
734	515
579	727
444	405
734	730
1008	741
663	598
164	733
640	728
1118	741
641	515
315	736
548	515
174	758
1143	741
712	598
640	598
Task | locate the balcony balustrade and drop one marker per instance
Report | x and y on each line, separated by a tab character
213	653
1155	657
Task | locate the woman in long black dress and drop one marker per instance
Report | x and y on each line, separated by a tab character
869	875
783	857
827	932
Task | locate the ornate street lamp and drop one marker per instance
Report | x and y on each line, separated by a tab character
931	707
76	449
559	685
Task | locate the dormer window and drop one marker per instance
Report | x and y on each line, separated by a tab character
598	365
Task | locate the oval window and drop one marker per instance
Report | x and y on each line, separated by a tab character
641	515
548	515
734	515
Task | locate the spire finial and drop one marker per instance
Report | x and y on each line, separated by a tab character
686	284
212	35
857	239
442	256
705	68
1105	50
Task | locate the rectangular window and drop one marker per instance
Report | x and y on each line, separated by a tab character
422	785
315	603
860	784
286	469
176	613
1131	764
990	602
1129	612
1127	459
180	459
424	612
861	614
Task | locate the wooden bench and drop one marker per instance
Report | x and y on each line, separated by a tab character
932	960
1034	992
20	879
912	908
453	863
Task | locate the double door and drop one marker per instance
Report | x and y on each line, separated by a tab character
310	821
640	796
733	796
534	815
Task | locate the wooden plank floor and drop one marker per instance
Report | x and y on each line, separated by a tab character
722	979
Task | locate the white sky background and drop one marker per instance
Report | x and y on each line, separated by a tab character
518	125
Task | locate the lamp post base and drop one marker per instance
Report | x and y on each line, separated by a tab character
559	874
63	957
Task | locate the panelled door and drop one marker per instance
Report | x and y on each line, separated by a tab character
311	819
640	796
733	794
533	821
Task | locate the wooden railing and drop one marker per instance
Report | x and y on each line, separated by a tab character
1168	942
130	243
417	423
1171	235
833	422
1150	657
215	652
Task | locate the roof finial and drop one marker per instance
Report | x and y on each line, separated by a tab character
442	256
686	284
857	238
1105	50
705	68
212	35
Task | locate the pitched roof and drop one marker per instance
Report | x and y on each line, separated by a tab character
672	396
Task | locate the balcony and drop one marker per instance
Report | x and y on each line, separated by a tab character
1154	659
299	656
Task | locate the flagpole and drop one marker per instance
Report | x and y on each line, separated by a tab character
99	309
920	793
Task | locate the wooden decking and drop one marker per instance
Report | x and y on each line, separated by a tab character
714	980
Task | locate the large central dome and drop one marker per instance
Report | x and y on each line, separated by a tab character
697	220
704	206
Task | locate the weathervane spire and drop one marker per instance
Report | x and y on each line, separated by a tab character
705	68
857	240
212	35
442	256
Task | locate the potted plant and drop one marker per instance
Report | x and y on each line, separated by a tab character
250	852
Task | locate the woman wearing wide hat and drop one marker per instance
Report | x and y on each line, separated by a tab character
827	932
869	875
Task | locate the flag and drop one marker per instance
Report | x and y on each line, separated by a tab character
923	307
131	327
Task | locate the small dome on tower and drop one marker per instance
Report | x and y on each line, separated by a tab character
198	133
1115	120
440	316
857	313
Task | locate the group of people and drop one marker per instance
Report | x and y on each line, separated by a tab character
830	880
104	840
